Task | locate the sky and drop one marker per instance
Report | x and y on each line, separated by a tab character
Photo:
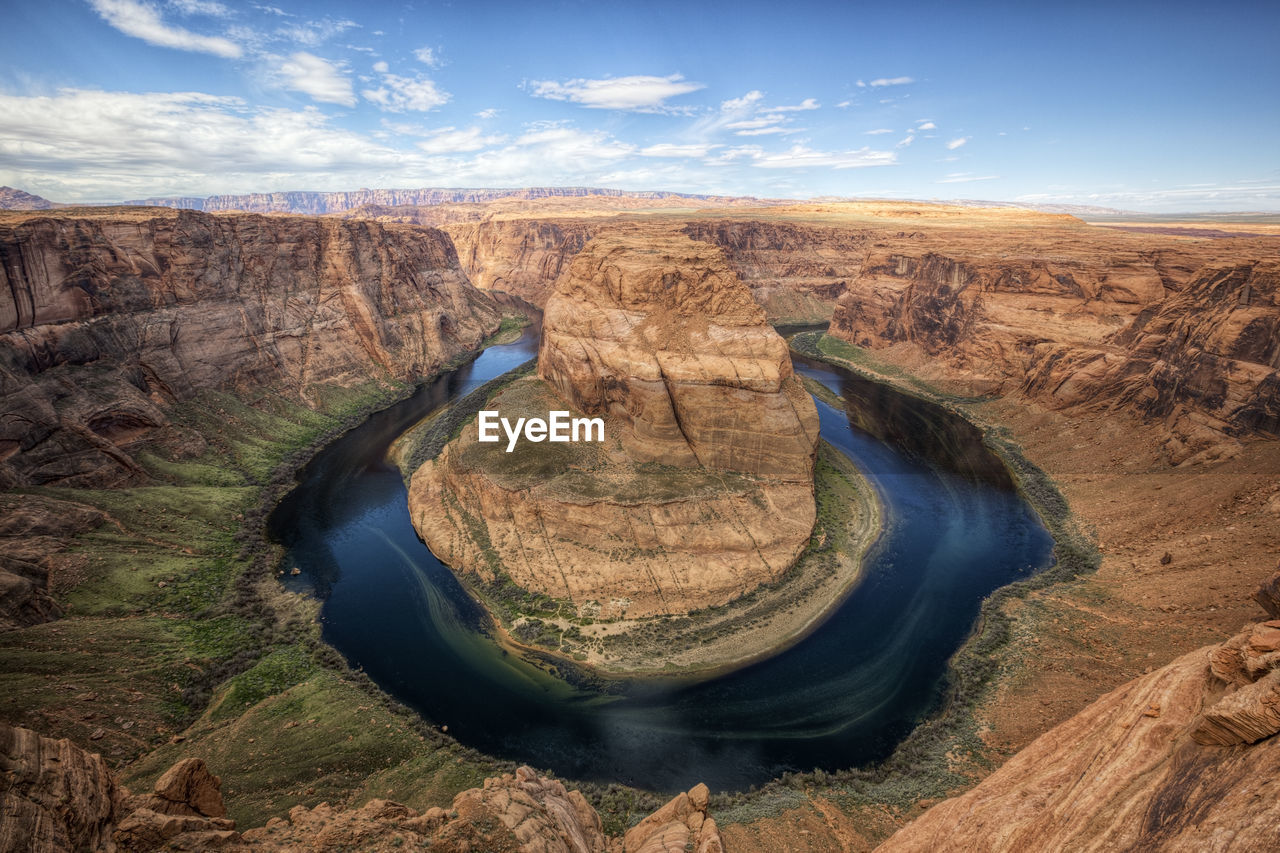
1158	107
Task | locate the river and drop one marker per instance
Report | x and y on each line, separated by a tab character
842	697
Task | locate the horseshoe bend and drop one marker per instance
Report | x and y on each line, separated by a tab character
620	428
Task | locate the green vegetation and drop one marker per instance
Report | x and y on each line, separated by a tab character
177	640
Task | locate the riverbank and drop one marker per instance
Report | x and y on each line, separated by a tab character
178	640
583	644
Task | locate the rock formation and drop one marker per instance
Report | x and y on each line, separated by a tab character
1184	758
55	797
704	487
1152	333
34	531
107	318
522	257
662	336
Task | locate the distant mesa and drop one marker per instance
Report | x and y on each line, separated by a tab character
703	489
15	199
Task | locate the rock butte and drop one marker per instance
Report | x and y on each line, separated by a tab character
659	337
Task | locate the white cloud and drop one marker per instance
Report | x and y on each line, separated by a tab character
965	177
668	149
487	114
799	156
314	33
208	8
322	80
143	21
844	104
397	94
906	140
927	125
83	145
272	10
890	81
806	104
449	139
956	143
427	57
737	104
381	67
764	131
638	93
878	131
751	123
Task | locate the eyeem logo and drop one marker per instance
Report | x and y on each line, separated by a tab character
558	427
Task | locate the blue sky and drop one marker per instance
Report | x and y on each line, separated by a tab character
1160	107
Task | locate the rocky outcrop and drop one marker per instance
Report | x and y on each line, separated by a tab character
54	796
682	824
1184	758
108	318
661	336
703	489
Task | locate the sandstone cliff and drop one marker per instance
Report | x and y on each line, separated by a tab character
704	488
1168	333
108	317
518	256
55	796
1185	758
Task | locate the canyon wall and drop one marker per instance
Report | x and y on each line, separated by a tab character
1184	758
523	257
1195	345
703	489
106	319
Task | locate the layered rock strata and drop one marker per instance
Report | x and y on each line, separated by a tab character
703	489
1184	758
1201	353
108	317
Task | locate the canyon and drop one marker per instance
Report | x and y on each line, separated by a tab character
1137	369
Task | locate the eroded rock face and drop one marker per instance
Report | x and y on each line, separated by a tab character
107	318
522	257
1197	347
53	795
1162	763
704	487
662	336
681	825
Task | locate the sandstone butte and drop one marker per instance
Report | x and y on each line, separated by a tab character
704	489
59	797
